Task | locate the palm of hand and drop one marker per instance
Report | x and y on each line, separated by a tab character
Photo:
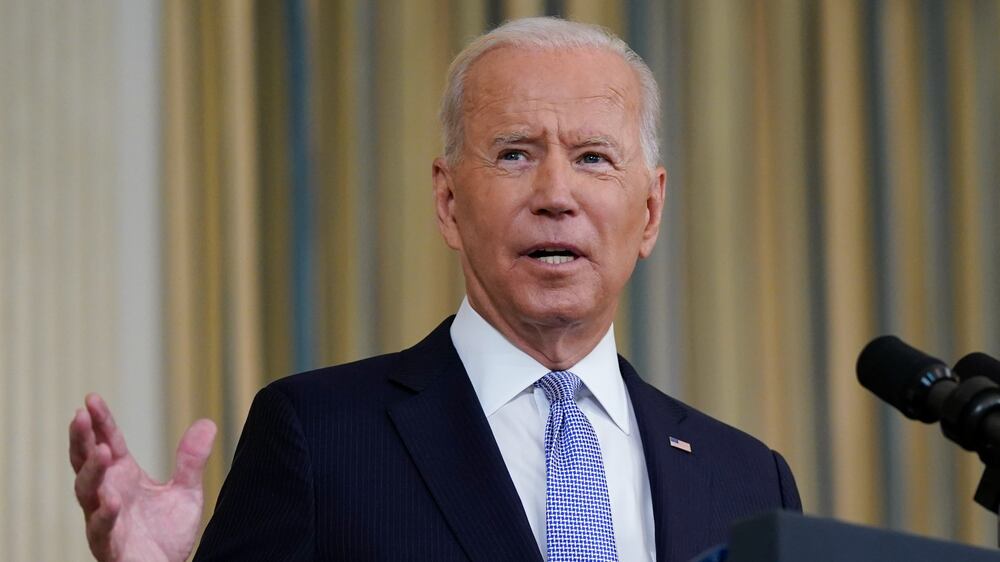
129	515
157	522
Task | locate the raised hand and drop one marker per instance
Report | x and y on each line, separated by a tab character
129	515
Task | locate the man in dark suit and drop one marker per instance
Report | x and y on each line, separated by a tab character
513	431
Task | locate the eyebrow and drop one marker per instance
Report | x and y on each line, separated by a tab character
600	140
515	137
510	138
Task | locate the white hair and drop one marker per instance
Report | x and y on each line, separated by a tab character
546	33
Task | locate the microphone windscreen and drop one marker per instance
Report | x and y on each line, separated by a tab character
978	365
898	374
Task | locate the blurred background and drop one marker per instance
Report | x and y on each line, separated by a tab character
199	197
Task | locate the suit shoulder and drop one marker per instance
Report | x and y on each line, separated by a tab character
741	463
347	381
714	435
369	378
727	434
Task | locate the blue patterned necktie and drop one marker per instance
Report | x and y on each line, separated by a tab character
578	522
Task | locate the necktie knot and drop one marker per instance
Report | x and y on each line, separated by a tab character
559	385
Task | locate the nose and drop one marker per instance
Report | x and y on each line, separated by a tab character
552	193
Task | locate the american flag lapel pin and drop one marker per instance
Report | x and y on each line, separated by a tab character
679	444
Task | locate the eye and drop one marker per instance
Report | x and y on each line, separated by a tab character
592	158
512	155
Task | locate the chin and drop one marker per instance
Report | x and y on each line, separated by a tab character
558	308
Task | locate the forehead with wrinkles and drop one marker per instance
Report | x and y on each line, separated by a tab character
594	83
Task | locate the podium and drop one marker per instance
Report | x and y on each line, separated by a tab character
783	537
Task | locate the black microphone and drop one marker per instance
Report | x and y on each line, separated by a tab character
972	417
909	379
978	365
923	388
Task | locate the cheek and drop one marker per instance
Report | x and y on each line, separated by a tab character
622	218
621	231
493	207
484	222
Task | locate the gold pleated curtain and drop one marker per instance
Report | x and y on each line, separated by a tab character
833	175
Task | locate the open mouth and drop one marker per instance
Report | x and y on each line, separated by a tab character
553	256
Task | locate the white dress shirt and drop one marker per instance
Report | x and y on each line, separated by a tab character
503	378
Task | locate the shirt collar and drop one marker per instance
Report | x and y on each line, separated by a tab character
499	371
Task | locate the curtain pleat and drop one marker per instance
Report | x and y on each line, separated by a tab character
781	253
721	240
967	255
848	281
904	288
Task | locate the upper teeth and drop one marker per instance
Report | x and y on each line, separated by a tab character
556	260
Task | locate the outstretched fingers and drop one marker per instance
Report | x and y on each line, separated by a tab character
192	453
104	426
90	477
81	439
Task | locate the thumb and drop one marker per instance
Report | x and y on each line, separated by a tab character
192	453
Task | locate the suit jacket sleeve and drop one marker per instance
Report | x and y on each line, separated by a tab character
789	491
266	509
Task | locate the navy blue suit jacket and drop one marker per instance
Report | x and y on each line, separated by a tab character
392	458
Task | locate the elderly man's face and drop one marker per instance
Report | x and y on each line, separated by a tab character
551	203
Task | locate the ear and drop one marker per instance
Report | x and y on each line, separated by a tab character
654	211
444	203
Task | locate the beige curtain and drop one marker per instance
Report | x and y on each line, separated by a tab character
79	256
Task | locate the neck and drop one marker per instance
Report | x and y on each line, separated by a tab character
557	344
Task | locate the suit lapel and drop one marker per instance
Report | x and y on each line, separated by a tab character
447	434
680	482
